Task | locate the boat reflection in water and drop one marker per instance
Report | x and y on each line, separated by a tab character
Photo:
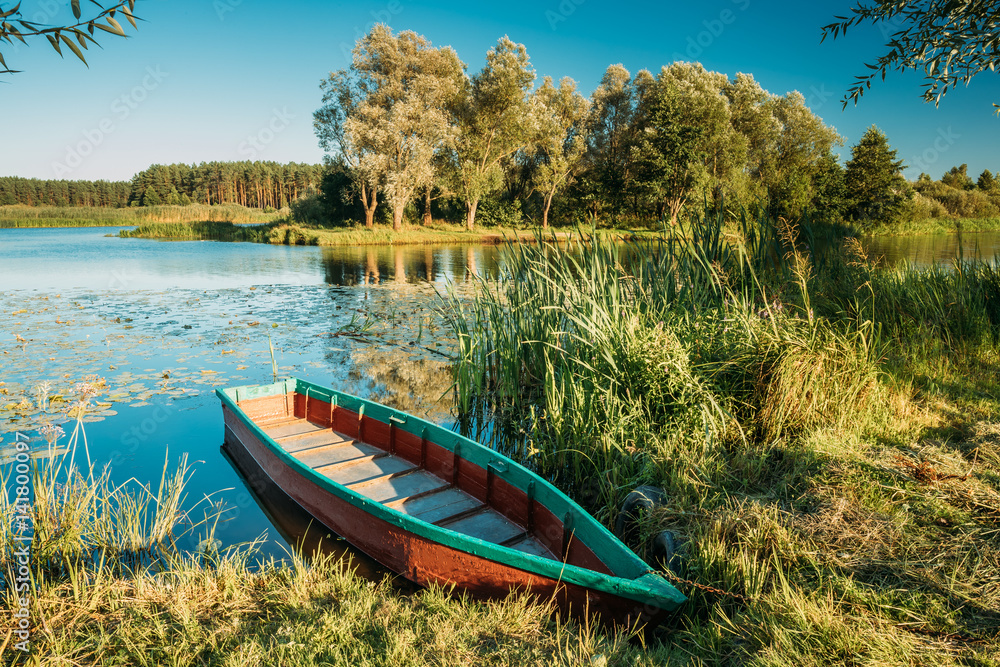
297	527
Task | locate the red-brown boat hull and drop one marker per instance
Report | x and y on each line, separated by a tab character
425	561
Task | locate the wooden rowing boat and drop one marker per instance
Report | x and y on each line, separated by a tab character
437	507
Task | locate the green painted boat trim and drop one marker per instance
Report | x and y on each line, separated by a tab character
635	580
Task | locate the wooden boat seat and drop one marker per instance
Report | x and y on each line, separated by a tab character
399	484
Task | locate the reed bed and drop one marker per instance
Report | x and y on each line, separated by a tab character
80	519
81	216
277	233
810	416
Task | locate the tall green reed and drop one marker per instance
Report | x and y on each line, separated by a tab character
583	360
81	520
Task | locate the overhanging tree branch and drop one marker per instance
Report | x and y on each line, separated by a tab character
950	41
76	37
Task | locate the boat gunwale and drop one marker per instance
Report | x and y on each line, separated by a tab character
648	586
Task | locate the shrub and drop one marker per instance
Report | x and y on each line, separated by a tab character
927	207
309	210
291	235
495	212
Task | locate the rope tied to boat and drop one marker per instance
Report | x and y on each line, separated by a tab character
667	574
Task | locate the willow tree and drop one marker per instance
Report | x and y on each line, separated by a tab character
950	41
561	140
407	89
495	122
614	129
74	37
340	99
689	145
802	149
388	115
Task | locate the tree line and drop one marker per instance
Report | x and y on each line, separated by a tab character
252	184
37	192
264	185
405	124
957	195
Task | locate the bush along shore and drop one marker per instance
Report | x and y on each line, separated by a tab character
824	430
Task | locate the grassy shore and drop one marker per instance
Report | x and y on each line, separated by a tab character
110	586
284	233
826	432
81	216
935	226
215	611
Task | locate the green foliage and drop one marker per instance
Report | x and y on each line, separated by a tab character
90	216
202	230
493	122
950	42
561	140
283	234
36	192
958	178
794	406
829	197
614	130
964	202
673	149
647	146
338	194
988	183
252	184
875	186
75	37
401	114
494	211
309	210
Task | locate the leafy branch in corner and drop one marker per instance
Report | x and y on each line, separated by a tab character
951	41
76	37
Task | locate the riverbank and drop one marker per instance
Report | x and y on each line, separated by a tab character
157	222
283	233
215	611
933	226
824	430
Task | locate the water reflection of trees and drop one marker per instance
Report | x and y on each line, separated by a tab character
418	386
386	265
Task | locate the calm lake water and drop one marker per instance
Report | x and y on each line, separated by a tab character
162	324
923	251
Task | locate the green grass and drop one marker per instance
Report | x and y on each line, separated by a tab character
282	232
825	430
934	226
80	216
109	586
279	233
218	612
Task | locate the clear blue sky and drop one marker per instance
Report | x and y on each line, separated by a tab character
239	79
